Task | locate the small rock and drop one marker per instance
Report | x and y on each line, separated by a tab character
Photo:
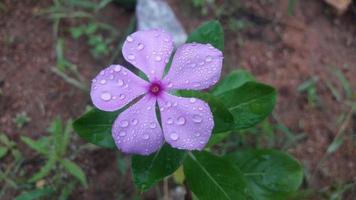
341	6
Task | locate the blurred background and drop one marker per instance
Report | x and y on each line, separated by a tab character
50	50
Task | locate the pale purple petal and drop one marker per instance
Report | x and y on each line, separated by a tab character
187	122
136	130
149	51
114	87
195	66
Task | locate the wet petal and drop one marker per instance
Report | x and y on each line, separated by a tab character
187	122
114	87
149	51
195	66
136	130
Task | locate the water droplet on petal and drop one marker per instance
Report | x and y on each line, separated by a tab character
122	96
153	125
140	46
129	39
120	82
200	108
158	58
197	134
111	77
94	80
122	133
117	68
131	57
169	121
149	108
181	121
134	121
192	100
197	118
170	85
145	136
168	104
202	142
103	81
124	123
174	136
208	59
106	96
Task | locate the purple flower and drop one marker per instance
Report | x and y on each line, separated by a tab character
187	123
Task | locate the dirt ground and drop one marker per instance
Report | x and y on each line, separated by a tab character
280	49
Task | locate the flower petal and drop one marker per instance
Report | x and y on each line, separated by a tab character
149	51
136	130
187	122
195	66
114	87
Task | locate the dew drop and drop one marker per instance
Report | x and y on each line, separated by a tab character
181	121
94	80
149	108
120	82
197	134
208	59
168	104
122	133
129	39
117	68
170	85
197	119
192	100
111	77
124	123
134	121
105	96
131	57
122	96
169	121
140	46
202	142
153	125
158	58
145	136
174	136
200	108
103	81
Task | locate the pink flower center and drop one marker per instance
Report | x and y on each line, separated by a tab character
156	88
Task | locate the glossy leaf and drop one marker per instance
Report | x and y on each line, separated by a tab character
250	103
211	177
233	80
95	127
223	119
209	32
148	170
271	174
75	170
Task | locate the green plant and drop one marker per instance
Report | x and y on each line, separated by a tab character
238	102
54	149
21	119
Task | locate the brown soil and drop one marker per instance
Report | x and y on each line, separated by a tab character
279	49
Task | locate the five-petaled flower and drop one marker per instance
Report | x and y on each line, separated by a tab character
186	123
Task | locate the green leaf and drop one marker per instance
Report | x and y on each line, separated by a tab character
336	144
148	170
41	145
95	127
75	170
5	140
213	177
46	169
234	80
250	103
35	194
209	32
3	151
65	138
223	119
271	174
67	190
